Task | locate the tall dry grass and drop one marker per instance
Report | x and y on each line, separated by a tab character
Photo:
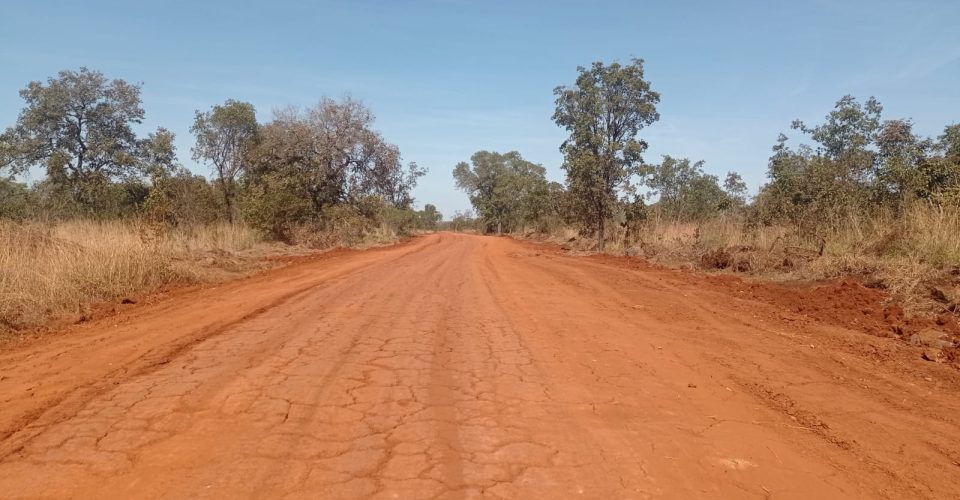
49	270
906	254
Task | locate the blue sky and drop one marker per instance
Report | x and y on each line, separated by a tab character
450	77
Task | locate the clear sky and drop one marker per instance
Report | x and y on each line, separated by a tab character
450	77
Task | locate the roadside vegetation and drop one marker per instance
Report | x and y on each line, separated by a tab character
115	213
856	195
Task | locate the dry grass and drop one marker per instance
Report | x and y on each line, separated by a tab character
907	255
56	270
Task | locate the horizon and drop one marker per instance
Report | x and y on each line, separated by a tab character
447	78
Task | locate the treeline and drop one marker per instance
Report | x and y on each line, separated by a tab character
307	170
860	166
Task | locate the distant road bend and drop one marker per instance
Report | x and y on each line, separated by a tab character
463	366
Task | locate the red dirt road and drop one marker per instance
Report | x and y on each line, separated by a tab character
457	366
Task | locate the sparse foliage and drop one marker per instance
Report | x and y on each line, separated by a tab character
307	160
224	135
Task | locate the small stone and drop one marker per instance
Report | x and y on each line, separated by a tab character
933	354
692	386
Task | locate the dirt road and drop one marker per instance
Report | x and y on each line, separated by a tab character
456	366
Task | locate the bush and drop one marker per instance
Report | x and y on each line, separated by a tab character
15	200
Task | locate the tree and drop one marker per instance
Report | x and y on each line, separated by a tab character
176	196
8	154
941	173
15	199
735	188
847	135
949	142
333	154
686	192
899	169
158	153
604	113
224	135
429	217
79	126
504	189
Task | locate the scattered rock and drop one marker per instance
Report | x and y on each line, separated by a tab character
932	354
930	338
692	386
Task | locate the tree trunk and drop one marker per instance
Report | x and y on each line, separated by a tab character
600	227
499	228
228	199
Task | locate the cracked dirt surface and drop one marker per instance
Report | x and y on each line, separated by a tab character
459	366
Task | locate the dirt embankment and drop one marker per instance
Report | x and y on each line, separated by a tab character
848	303
458	366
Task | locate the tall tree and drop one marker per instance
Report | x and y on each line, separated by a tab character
79	126
604	113
847	135
224	135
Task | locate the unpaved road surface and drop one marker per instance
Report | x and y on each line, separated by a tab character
458	366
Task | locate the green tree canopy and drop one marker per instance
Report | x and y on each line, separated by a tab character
79	126
429	217
504	189
686	192
604	112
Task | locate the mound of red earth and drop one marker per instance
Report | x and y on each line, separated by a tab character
846	303
852	305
